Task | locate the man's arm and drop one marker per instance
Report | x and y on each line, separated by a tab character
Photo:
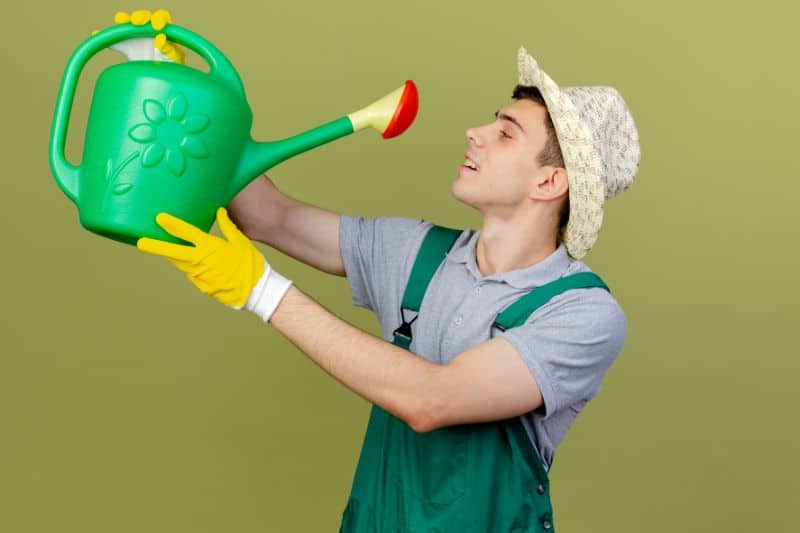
486	382
308	233
554	362
490	381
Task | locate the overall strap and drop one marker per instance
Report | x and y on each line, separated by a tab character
432	252
517	313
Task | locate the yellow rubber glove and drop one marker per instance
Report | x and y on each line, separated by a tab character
233	271
145	48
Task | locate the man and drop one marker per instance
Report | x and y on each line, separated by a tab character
467	411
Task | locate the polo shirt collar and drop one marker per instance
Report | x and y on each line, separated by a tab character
548	269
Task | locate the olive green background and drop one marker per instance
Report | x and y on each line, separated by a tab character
130	402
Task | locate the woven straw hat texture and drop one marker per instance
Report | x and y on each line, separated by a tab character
599	143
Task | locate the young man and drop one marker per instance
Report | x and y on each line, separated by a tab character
469	406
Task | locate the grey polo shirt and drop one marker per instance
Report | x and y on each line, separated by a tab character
568	344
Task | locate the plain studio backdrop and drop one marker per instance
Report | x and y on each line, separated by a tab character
131	402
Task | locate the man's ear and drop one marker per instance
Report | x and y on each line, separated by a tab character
552	182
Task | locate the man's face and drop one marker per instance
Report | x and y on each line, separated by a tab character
504	152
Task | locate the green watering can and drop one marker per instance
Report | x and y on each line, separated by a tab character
162	136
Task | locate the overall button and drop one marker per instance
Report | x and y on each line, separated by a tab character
540	489
457	321
547	521
477	289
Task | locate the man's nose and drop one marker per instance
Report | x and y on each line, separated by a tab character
473	135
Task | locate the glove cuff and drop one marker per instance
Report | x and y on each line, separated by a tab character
268	293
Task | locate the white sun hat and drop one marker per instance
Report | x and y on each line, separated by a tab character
599	143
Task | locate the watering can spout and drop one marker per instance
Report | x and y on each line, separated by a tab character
390	115
258	157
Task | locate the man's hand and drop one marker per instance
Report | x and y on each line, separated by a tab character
157	49
233	271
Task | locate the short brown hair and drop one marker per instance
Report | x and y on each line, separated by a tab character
551	152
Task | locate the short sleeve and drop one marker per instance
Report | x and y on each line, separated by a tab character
569	344
376	254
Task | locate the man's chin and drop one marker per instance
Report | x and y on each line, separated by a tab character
461	195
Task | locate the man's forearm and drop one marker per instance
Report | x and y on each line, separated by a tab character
256	209
382	373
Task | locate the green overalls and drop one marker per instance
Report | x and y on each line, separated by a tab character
471	478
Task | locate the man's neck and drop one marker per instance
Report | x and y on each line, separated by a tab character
507	245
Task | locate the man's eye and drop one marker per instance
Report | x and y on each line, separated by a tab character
504	134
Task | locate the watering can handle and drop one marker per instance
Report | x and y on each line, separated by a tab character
65	173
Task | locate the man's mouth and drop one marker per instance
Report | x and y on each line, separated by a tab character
469	163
